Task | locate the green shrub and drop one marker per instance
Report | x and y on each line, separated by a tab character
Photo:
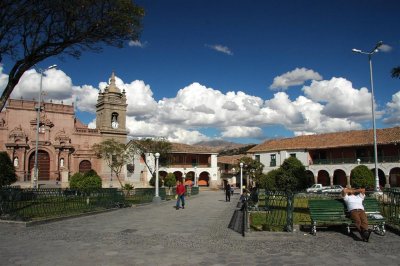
292	175
170	180
268	181
152	181
361	176
7	172
85	181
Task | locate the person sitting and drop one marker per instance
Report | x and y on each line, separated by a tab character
354	202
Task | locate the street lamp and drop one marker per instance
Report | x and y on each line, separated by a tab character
195	176
36	169
373	51
241	178
157	198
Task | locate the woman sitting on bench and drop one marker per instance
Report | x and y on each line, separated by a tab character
354	201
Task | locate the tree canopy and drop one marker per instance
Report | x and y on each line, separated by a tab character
7	173
31	30
149	147
252	168
361	176
396	72
116	155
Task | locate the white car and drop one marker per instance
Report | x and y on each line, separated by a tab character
333	189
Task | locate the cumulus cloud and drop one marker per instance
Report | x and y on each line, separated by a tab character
137	43
393	110
241	132
294	78
340	99
56	86
325	106
220	48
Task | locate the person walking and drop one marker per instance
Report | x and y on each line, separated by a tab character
180	192
227	192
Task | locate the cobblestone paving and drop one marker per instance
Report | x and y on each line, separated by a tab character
196	235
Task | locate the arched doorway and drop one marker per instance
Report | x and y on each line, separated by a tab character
85	166
323	178
310	178
394	177
339	178
382	178
204	179
189	179
43	162
178	175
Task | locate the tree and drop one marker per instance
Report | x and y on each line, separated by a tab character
291	176
7	173
170	180
115	154
268	181
361	176
148	148
31	31
396	72
251	168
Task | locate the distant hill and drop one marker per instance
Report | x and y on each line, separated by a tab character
226	147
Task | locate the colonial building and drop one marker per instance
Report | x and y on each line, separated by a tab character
192	164
64	144
329	158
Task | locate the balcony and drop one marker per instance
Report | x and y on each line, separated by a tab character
363	160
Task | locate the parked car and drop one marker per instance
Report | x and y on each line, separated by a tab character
316	188
333	189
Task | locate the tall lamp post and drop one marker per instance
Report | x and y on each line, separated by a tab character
36	169
241	178
157	198
373	51
195	177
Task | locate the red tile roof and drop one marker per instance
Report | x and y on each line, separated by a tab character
231	159
331	140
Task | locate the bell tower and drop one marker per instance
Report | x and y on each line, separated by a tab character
111	111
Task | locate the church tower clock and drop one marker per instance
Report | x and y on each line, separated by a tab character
111	112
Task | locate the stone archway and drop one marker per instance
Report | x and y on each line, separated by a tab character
382	178
310	178
85	166
204	179
43	163
339	178
323	178
178	175
394	177
189	178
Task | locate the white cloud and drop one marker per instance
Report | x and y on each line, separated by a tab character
137	43
3	79
241	132
56	86
393	110
294	78
326	106
340	99
220	48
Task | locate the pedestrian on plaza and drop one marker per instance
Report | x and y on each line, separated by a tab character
354	201
227	192
180	192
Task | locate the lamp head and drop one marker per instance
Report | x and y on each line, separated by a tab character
157	155
241	165
356	50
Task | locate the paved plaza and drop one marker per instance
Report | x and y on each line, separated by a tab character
197	235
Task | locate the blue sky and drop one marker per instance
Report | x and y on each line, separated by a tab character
242	71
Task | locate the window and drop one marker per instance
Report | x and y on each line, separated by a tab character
293	155
273	160
257	157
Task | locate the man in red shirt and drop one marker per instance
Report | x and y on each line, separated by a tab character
180	192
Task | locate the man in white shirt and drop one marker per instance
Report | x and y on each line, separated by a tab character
354	201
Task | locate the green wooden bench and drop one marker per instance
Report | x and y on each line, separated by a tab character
325	212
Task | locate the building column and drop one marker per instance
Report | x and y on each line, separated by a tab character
387	181
348	181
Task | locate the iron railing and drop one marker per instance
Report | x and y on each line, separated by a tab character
30	204
391	206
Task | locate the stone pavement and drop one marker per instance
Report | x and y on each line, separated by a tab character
197	235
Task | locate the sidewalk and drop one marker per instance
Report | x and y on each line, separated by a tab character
196	235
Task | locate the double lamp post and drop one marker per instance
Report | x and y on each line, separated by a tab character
370	53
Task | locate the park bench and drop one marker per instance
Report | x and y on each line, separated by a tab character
326	212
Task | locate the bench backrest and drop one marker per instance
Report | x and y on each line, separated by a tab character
337	205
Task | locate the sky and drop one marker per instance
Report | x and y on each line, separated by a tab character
240	71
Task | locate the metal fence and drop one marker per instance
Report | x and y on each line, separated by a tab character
29	204
391	206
